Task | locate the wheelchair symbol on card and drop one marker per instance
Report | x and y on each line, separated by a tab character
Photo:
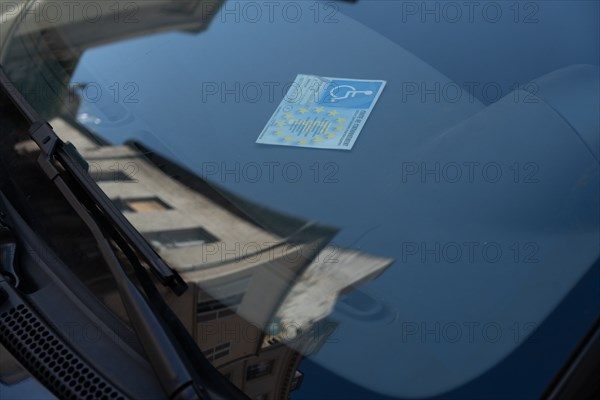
350	94
344	92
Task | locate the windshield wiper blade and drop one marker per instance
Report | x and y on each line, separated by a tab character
173	369
53	148
182	369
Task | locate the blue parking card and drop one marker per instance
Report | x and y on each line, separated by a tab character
322	113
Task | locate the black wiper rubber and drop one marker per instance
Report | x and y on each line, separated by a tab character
52	147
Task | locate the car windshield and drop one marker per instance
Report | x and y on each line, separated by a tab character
369	199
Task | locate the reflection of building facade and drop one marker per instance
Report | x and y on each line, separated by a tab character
259	303
259	298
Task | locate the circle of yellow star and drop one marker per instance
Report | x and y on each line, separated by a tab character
318	139
279	132
280	123
303	110
333	113
303	141
341	120
288	138
331	135
339	128
288	115
319	110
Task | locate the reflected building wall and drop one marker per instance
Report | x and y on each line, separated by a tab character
257	303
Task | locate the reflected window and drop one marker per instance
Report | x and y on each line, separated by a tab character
216	309
141	204
217	352
177	238
110	176
259	370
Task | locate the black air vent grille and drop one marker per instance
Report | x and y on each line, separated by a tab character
47	357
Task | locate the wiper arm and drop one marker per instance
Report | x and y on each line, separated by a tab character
173	354
53	148
175	374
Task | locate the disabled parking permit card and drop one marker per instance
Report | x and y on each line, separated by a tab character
322	113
